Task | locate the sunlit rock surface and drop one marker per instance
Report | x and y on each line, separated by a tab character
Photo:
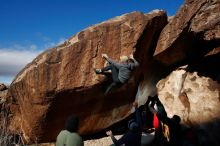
61	81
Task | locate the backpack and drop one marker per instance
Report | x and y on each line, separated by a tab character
165	132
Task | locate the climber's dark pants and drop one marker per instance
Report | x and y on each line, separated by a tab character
114	73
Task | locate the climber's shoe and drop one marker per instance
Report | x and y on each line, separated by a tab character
97	71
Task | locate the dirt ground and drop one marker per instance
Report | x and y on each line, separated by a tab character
105	141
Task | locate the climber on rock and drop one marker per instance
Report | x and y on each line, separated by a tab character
120	72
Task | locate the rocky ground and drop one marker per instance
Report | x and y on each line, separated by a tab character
105	141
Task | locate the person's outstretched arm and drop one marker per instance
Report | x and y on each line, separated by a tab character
111	61
135	64
151	108
119	142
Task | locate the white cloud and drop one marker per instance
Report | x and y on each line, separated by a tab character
12	60
33	47
6	79
16	57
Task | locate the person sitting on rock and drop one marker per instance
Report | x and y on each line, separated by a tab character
69	136
121	72
133	136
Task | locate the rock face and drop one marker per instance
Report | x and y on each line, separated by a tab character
193	92
196	99
192	32
61	81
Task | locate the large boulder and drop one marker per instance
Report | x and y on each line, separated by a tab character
61	81
191	33
192	38
193	93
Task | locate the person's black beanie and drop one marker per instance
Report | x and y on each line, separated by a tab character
72	124
176	119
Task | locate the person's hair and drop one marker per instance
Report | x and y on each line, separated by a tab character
176	119
72	124
130	60
132	125
124	58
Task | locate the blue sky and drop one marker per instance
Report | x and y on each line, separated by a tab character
28	27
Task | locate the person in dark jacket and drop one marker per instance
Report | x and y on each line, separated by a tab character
121	72
69	136
174	129
148	111
155	105
133	136
157	109
173	124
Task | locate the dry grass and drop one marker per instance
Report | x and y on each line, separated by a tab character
6	138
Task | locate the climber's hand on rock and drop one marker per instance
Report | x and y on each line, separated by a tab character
155	107
131	56
105	56
135	104
109	133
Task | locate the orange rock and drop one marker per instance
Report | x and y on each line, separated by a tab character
192	32
61	81
193	93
